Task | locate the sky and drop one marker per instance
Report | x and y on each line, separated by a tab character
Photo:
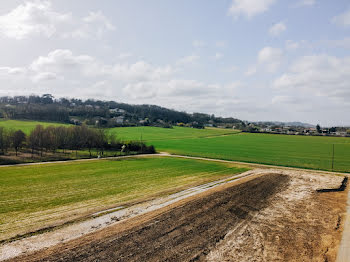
255	60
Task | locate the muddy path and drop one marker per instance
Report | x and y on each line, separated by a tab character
183	233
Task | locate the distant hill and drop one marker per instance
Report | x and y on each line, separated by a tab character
104	113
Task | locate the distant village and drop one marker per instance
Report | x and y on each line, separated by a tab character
298	130
120	117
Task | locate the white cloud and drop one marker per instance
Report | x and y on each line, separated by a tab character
44	76
277	29
188	60
6	70
218	56
306	3
221	44
251	71
98	17
283	99
38	18
231	69
139	71
270	58
63	60
292	45
125	55
31	18
342	19
141	90
95	23
179	88
63	71
199	43
318	75
249	8
343	43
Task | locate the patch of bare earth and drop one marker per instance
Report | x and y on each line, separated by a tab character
277	216
299	225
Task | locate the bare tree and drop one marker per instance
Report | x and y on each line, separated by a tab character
17	139
4	140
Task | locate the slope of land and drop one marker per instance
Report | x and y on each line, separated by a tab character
40	196
284	150
276	216
152	134
27	125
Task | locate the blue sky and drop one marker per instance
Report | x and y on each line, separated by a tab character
250	59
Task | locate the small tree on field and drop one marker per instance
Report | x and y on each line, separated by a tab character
18	138
36	139
4	140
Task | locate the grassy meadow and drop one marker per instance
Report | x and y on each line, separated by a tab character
35	196
151	134
296	151
312	152
26	126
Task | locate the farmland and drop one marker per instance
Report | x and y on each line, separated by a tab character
26	126
39	196
82	210
152	134
295	151
311	152
271	215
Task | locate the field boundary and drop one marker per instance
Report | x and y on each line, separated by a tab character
165	154
257	165
40	240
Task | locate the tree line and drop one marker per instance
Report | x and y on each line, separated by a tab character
50	139
64	110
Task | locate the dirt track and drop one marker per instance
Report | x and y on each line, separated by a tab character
262	219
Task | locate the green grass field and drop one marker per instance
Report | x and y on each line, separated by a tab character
151	134
41	195
295	151
26	126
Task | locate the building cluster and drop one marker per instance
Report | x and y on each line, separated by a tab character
301	130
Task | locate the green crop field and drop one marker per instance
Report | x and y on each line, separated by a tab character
228	144
151	134
26	126
35	196
295	151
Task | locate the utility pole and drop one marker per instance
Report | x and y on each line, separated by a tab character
141	141
333	158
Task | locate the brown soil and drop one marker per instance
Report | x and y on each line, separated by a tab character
256	219
299	225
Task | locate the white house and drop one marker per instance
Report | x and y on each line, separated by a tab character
119	119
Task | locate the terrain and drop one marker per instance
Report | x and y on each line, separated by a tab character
285	150
26	125
177	207
152	134
259	218
40	196
312	152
